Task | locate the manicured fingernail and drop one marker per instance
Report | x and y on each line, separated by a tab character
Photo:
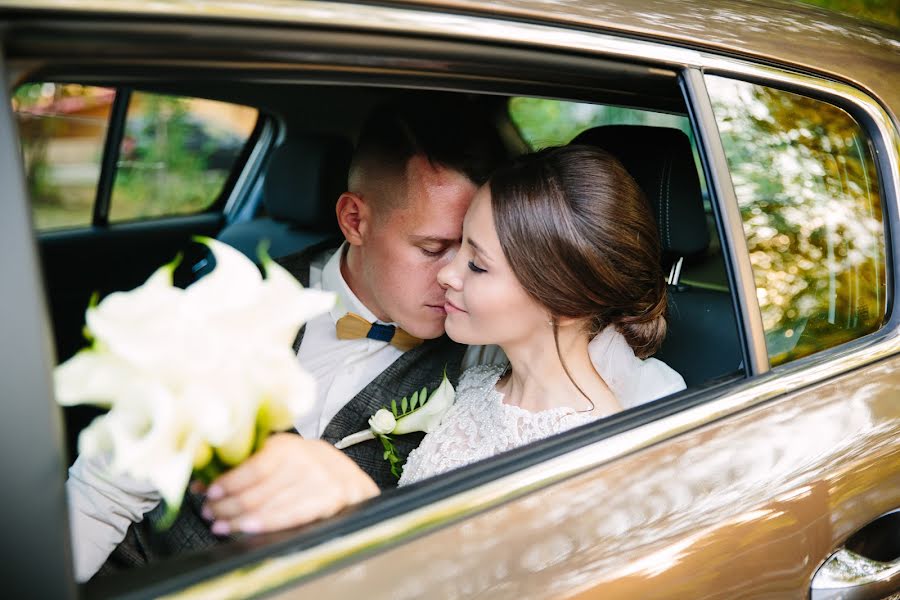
250	525
207	513
215	492
220	528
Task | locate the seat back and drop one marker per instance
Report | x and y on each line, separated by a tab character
702	341
304	178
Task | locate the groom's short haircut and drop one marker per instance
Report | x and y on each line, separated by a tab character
452	131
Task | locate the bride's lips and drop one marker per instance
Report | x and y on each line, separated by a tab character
452	308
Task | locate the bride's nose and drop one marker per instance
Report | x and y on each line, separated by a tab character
448	276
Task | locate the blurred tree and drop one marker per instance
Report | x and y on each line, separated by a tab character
807	187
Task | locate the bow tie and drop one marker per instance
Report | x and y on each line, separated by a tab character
352	327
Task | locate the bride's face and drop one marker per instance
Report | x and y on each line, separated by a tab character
485	303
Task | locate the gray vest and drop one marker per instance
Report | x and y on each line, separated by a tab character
420	367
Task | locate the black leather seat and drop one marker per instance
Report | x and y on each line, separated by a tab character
303	179
702	341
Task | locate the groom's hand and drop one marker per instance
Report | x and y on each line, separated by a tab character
289	482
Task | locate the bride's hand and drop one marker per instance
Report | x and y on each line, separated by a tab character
289	482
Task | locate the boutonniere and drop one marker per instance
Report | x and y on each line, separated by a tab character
420	412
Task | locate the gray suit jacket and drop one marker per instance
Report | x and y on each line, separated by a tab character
420	367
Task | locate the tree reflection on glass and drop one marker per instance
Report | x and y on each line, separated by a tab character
807	188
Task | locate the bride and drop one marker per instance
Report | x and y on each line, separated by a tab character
558	247
559	266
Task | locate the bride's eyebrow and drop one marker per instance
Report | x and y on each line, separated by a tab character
478	248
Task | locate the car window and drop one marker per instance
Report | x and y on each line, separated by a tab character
62	129
176	154
806	182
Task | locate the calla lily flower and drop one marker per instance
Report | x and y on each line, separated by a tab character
195	375
424	418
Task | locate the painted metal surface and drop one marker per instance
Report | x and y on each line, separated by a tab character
782	32
744	507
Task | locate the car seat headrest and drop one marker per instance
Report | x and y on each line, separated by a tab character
661	161
304	178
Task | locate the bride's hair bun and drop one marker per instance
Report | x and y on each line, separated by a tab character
581	239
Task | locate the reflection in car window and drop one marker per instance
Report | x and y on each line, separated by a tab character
62	129
807	187
176	154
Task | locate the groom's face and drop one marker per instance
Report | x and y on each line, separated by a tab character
408	244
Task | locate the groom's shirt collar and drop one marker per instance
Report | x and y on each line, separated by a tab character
333	280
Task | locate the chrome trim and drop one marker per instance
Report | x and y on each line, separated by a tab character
273	572
732	230
849	576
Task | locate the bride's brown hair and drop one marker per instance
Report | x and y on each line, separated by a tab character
580	237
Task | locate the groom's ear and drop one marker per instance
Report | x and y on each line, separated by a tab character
353	217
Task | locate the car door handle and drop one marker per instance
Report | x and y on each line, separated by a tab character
866	567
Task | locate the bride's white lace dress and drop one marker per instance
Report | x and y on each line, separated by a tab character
480	425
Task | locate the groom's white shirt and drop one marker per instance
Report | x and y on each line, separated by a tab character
341	368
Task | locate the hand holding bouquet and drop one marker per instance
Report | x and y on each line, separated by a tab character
194	378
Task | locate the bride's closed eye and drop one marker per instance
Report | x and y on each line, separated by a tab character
475	268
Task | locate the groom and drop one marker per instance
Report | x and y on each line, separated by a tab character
416	166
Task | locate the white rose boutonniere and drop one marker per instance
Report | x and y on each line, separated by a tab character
195	378
421	412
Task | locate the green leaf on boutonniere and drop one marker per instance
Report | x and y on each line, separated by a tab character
394	407
404	405
392	456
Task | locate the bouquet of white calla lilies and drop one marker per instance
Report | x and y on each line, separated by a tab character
194	378
420	412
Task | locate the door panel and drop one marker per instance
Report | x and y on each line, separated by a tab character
747	507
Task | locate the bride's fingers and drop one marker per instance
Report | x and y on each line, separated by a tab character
286	510
249	498
257	467
313	480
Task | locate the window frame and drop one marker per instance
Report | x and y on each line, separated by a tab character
479	487
112	143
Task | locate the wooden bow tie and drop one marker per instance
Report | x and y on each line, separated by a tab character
352	327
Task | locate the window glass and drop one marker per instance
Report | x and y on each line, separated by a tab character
807	187
62	129
176	154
